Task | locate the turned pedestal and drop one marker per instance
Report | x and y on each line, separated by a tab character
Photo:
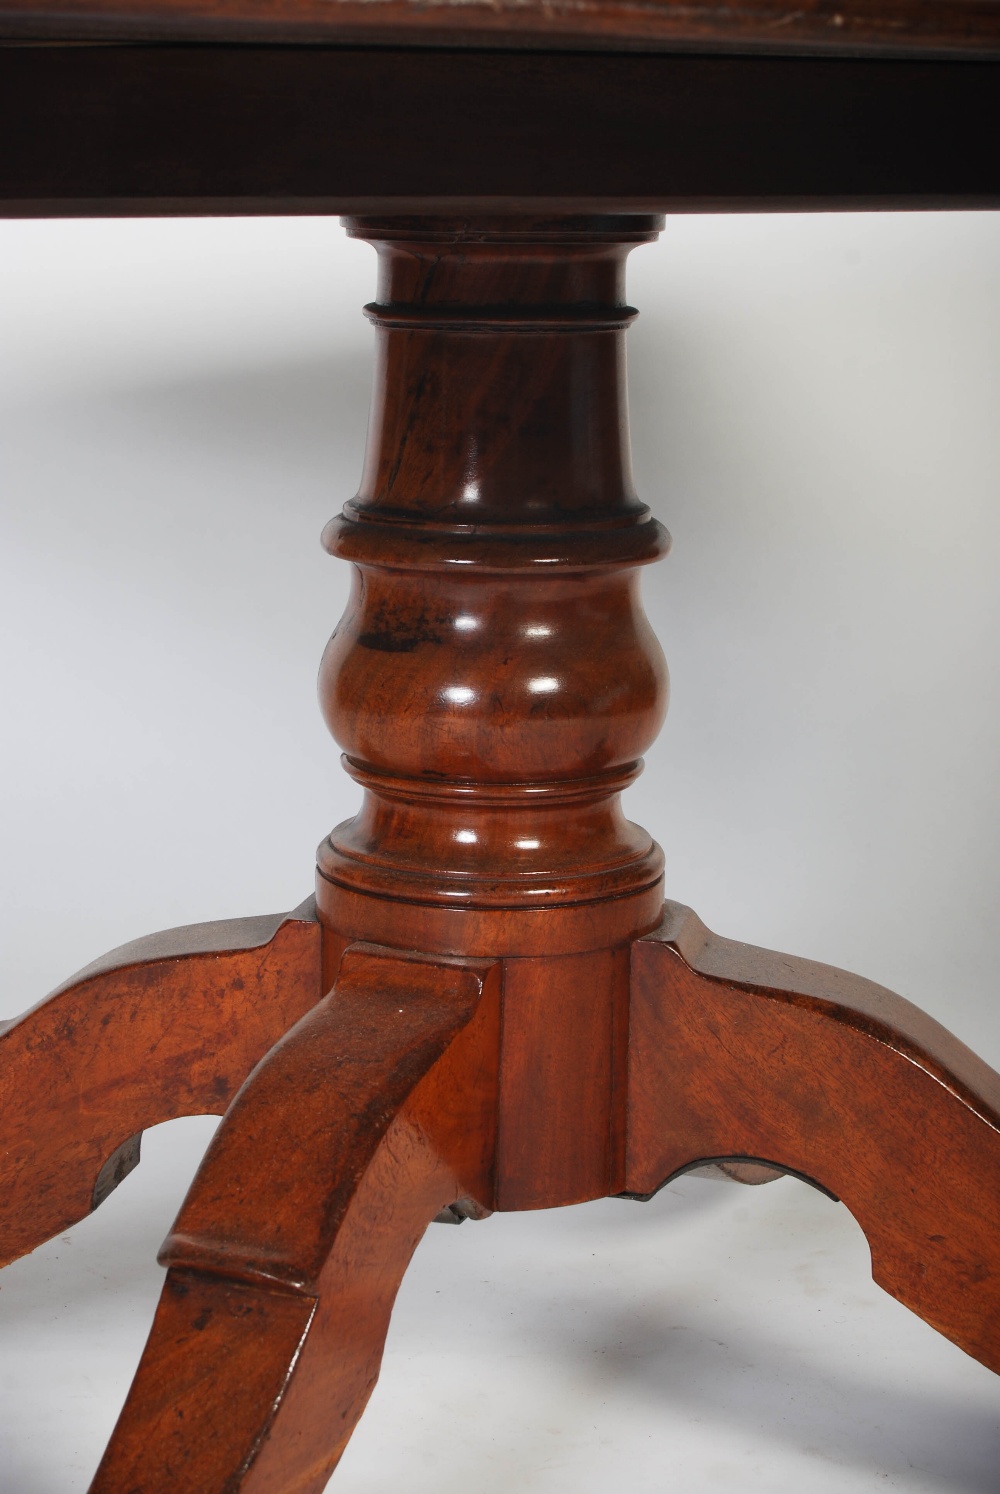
488	1005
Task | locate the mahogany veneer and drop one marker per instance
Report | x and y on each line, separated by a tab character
488	1005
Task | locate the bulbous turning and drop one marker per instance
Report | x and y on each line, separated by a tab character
494	680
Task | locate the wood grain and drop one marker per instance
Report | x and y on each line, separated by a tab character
376	1111
494	680
559	1064
507	1026
739	1052
170	1025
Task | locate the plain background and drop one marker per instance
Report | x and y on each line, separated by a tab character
816	416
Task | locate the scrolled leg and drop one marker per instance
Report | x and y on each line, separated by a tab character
170	1025
737	1052
372	1115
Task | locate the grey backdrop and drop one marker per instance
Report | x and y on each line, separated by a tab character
816	416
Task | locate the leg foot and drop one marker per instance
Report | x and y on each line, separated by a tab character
737	1052
370	1117
170	1025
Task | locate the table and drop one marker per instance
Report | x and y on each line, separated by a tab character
486	1006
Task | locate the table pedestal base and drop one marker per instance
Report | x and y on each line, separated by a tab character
488	1006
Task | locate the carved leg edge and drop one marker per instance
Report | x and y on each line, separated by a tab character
169	1025
285	1260
737	1052
751	1172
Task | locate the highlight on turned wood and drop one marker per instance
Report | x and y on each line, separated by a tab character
494	681
487	1006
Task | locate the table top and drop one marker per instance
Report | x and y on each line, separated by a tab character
839	27
303	106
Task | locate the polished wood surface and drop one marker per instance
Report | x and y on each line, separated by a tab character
890	27
494	680
170	1025
373	1114
485	1008
491	747
736	1051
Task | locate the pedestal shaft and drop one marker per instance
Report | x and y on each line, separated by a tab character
494	680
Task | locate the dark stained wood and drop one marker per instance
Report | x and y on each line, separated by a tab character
897	27
375	1112
740	1052
170	1025
160	129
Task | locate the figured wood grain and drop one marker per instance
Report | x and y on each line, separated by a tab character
167	1026
377	1110
740	1052
558	1071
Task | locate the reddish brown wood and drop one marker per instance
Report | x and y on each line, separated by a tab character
516	1032
376	1111
742	1053
170	1025
494	679
898	27
557	1078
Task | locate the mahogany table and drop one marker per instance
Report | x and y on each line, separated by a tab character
488	1005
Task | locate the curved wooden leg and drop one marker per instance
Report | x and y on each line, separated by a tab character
170	1025
373	1114
740	1052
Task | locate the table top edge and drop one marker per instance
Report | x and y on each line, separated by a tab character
854	28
